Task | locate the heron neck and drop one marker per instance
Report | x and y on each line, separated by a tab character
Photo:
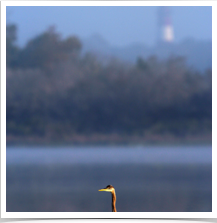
113	201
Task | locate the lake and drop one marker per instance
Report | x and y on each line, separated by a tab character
146	178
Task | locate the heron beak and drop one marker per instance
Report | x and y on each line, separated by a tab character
107	190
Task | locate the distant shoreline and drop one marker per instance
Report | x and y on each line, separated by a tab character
110	139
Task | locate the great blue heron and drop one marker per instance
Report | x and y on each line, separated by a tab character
111	189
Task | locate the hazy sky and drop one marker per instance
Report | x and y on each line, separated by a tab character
118	25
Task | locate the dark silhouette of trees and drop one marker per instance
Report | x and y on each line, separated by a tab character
84	96
11	48
43	51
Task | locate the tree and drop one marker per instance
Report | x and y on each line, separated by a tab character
47	50
11	48
141	64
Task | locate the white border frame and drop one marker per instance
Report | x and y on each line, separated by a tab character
62	215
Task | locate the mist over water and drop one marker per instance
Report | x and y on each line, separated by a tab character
147	179
110	154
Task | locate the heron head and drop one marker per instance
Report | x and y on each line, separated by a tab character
109	188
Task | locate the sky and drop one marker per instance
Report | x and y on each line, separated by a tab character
118	25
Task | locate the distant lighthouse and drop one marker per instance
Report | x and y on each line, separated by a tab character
165	28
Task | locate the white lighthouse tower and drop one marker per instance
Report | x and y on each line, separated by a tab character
166	33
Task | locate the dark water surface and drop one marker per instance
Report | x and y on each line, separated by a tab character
146	179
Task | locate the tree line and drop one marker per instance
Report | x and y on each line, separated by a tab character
54	91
